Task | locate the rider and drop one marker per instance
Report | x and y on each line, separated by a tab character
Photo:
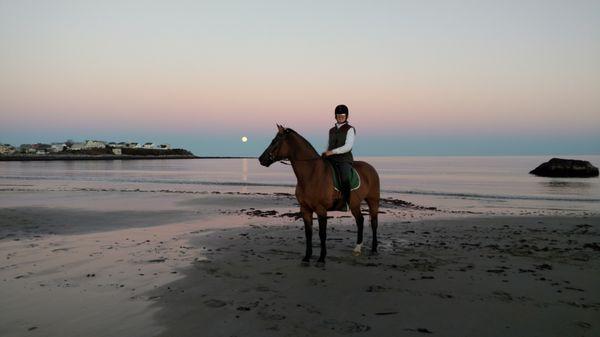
339	149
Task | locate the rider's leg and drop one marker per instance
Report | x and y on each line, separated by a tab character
345	171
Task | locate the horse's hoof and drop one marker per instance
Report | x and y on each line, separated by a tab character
305	263
320	264
374	253
357	250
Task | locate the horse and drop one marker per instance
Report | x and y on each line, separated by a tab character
315	192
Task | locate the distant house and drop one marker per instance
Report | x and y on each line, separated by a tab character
133	145
7	149
164	147
112	144
77	146
121	145
26	148
94	144
149	146
57	147
117	151
40	148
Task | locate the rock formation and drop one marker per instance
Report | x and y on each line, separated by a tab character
566	168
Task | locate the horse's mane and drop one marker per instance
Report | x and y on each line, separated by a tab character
304	140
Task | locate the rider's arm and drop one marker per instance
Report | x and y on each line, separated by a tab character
349	142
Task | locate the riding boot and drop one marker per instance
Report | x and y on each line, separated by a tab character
345	170
346	196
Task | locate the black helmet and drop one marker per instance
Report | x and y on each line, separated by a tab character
341	110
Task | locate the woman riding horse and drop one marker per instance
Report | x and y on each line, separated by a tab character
339	149
315	189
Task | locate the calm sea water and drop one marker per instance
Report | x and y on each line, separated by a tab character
444	182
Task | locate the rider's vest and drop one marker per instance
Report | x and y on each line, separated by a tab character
337	138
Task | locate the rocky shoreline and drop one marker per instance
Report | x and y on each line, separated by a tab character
91	157
106	157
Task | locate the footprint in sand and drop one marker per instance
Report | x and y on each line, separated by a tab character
316	282
60	250
376	289
270	316
502	296
311	309
263	289
345	327
583	324
214	303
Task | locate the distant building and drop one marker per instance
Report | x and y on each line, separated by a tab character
7	149
57	147
26	148
77	146
40	148
94	144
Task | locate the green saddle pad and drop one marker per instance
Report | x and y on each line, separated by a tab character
354	179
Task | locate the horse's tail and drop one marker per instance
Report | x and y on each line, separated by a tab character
372	196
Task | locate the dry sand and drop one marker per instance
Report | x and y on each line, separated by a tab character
227	265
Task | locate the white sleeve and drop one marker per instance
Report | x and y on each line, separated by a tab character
349	143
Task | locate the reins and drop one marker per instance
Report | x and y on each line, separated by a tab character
309	159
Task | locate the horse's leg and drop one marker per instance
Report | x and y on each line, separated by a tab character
373	212
308	222
323	237
360	220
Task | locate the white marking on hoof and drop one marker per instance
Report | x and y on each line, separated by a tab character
357	250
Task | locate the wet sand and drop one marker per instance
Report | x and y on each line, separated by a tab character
227	265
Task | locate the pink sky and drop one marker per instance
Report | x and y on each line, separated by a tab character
522	67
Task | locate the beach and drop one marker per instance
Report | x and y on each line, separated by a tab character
214	263
151	153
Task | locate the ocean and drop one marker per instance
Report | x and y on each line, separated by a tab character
479	184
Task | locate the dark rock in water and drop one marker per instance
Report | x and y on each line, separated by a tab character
566	168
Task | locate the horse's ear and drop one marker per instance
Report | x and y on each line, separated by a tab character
280	128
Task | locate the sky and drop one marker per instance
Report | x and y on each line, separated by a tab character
419	77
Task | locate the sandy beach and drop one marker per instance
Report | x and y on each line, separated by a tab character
223	264
151	153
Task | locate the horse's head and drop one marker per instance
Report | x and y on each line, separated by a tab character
279	148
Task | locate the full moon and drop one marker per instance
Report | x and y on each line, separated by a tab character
244	139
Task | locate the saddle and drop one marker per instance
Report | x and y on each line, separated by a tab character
339	204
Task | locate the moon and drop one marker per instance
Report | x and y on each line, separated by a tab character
244	139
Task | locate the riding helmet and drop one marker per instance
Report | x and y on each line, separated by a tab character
341	110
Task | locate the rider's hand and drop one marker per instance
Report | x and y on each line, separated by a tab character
327	153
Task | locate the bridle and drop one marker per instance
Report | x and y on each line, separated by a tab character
272	158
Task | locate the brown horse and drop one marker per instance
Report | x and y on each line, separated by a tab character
315	192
